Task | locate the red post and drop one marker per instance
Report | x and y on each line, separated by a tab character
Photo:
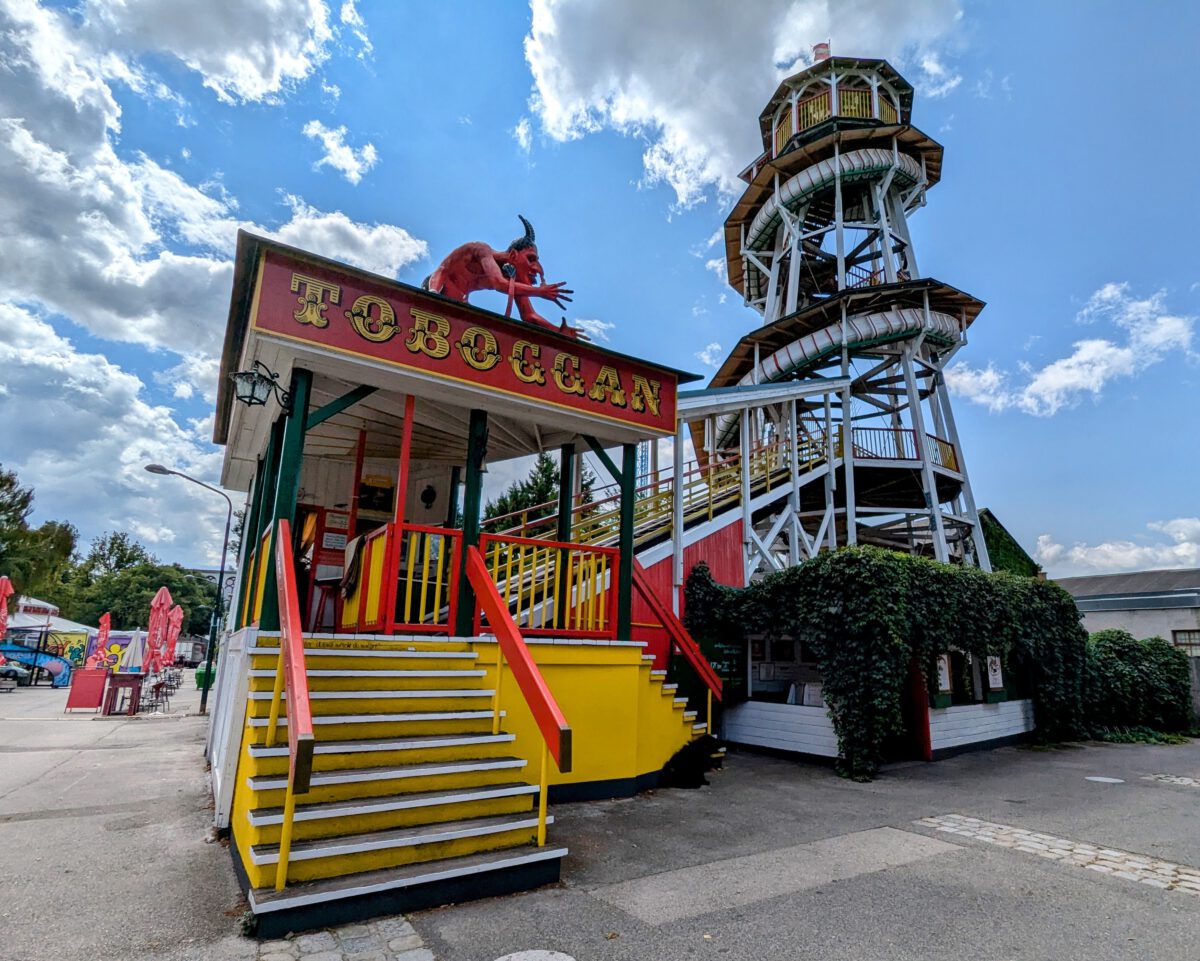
919	692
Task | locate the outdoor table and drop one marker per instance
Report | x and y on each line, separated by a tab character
123	682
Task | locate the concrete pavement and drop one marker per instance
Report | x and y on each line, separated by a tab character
103	856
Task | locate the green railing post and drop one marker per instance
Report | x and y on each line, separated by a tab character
477	433
287	487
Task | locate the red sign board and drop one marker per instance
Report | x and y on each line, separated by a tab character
350	313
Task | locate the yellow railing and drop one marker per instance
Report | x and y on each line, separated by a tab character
813	110
783	131
260	576
854	103
428	577
551	587
887	112
707	491
942	453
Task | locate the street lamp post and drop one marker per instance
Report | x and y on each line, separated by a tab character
219	613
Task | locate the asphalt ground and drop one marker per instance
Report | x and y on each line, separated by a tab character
784	860
103	856
103	823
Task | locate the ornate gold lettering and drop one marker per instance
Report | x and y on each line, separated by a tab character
525	363
428	335
312	301
478	348
377	327
607	386
568	381
644	395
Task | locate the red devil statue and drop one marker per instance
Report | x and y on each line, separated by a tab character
516	271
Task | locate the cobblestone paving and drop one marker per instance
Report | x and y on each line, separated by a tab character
389	939
1174	779
1119	864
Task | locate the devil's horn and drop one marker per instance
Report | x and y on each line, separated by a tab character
528	229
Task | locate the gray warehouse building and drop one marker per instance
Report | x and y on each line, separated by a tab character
1144	603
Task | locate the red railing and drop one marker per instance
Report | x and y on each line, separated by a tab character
408	581
556	733
682	640
291	676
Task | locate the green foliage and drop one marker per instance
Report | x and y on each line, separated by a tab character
1137	735
1139	684
1003	550
111	552
34	559
126	593
537	495
868	613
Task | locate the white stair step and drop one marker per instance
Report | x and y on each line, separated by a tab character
272	782
265	900
658	673
323	719
381	673
702	726
648	657
261	817
378	695
679	701
372	652
667	688
369	745
398	838
689	715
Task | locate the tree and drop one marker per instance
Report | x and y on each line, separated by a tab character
33	559
537	494
111	552
126	594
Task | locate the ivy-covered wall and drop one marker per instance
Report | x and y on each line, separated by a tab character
866	613
1005	553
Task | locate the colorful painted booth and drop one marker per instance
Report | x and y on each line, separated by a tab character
403	693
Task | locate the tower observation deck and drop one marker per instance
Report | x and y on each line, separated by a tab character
819	245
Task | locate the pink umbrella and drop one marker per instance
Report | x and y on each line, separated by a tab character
100	652
174	624
6	590
156	633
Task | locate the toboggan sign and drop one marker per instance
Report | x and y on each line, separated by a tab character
344	311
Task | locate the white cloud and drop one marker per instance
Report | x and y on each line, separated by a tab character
1181	548
351	18
331	90
719	268
523	134
340	155
936	80
80	433
595	329
711	355
690	77
244	50
1149	332
131	252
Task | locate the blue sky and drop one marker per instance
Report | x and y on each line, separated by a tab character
138	136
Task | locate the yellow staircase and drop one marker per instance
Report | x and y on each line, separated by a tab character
415	796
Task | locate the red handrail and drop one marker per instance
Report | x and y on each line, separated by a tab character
679	634
291	644
546	713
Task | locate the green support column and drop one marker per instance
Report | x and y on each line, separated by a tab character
625	580
249	524
477	434
264	501
287	486
566	517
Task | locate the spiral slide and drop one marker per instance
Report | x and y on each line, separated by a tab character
59	668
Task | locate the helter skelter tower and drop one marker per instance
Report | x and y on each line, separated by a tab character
819	244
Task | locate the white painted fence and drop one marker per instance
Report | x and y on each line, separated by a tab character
785	727
973	723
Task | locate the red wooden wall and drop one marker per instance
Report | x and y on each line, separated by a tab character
721	550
